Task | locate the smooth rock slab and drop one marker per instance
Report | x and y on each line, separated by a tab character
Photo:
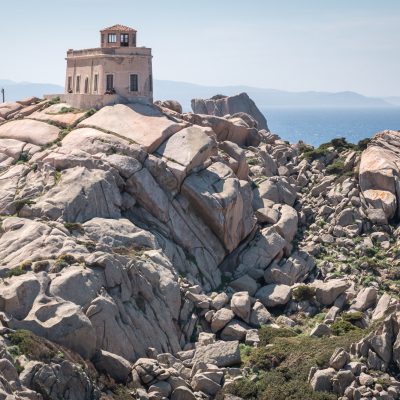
81	194
149	131
221	353
29	131
63	119
327	292
274	295
189	148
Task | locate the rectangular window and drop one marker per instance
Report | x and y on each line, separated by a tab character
110	82
87	86
124	39
133	84
96	83
112	38
78	84
70	84
151	82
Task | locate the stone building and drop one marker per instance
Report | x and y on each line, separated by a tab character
116	72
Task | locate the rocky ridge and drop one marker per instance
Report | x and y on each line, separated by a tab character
161	248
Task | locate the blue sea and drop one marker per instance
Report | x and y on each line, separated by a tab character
320	125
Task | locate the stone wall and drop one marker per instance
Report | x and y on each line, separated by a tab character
87	101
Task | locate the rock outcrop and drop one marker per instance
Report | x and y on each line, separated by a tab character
157	249
234	106
379	173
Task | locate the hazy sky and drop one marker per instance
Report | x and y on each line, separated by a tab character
296	45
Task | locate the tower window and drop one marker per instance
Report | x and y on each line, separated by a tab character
110	82
69	84
78	84
96	83
86	85
112	38
133	83
124	39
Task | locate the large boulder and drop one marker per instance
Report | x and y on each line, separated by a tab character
221	353
187	149
327	292
222	201
29	131
379	172
62	322
274	295
59	381
223	105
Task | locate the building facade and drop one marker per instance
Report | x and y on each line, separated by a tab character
116	72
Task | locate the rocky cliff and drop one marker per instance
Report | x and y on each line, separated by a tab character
149	253
231	107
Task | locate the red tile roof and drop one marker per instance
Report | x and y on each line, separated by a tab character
120	28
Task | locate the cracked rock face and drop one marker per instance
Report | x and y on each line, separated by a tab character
97	227
153	244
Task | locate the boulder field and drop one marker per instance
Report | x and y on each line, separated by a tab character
148	253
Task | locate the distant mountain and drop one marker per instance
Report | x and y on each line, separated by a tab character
264	98
393	100
20	90
184	92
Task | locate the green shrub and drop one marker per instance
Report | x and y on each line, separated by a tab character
303	292
352	316
23	158
21	269
19	204
121	392
336	168
63	261
54	100
294	390
26	343
341	327
338	144
244	388
39	266
74	227
67	110
267	334
363	144
282	368
314	154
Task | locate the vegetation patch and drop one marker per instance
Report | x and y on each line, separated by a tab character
303	293
267	334
121	392
54	100
133	252
22	268
74	227
23	158
63	261
39	266
19	204
280	369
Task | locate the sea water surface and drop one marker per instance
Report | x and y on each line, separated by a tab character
320	125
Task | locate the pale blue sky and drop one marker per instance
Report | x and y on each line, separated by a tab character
282	44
